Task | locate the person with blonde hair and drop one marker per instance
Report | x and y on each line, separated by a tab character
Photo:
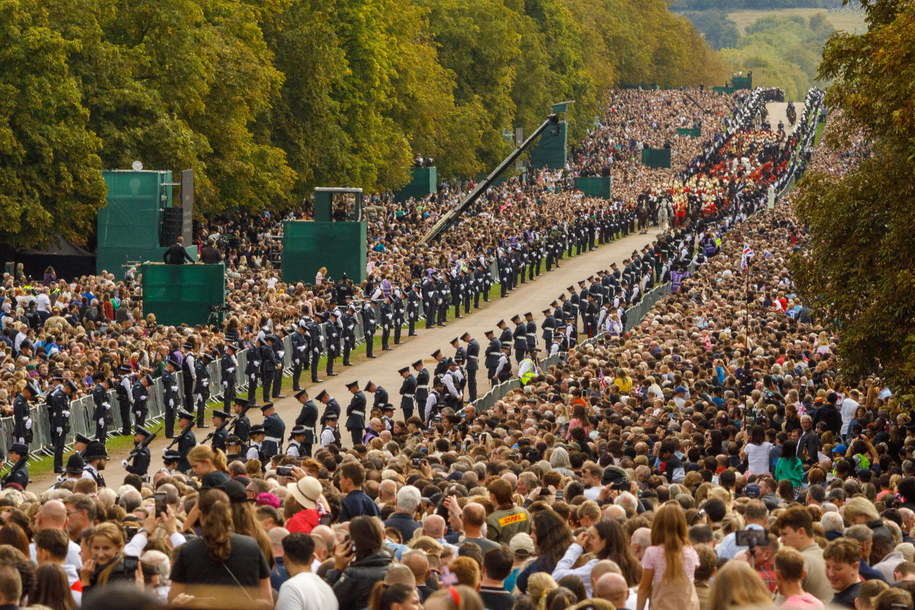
669	564
539	585
737	585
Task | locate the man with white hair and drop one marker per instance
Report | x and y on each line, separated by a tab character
408	500
615	512
628	502
159	583
613	588
833	524
640	541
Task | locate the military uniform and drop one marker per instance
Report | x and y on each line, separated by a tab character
59	419
186	441
140	458
307	419
368	328
274	432
300	355
102	414
253	368
123	393
170	396
355	414
19	474
141	399
201	390
228	364
422	387
407	393
473	365
493	355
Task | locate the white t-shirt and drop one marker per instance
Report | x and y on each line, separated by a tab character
43	303
306	591
758	458
849	407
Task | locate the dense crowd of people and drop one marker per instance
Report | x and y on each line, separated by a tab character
713	457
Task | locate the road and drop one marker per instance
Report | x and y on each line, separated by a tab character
778	112
533	296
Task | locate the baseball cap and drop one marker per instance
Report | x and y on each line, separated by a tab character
521	544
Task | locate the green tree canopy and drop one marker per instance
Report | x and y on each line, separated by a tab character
860	272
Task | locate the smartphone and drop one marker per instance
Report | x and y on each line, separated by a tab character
418	462
161	503
284	471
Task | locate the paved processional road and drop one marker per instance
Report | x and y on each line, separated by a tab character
533	296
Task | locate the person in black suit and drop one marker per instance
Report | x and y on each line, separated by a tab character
176	254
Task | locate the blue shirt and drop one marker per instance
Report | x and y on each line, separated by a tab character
357	503
728	548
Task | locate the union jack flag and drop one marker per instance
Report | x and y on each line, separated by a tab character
746	256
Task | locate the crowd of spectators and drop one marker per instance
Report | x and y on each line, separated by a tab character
712	458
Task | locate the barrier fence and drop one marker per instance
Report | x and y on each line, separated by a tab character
81	409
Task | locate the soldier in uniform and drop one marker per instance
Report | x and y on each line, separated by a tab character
355	412
269	364
80	442
397	305
460	354
96	459
242	426
22	417
201	393
590	316
473	364
296	440
58	401
386	317
368	327
414	298
170	395
274	431
493	355
102	414
138	460
407	392
279	350
221	433
519	337
228	364
505	334
330	435
333	341
441	363
123	393
315	346
141	390
330	404
18	476
381	395
348	322
531	331
422	387
253	368
300	355
548	326
429	300
187	440
307	419
255	443
189	376
233	448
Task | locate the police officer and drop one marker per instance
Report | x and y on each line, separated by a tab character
381	395
22	416
123	393
407	392
454	386
141	390
422	387
138	460
234	450
255	451
96	459
503	368
434	400
228	365
330	434
274	431
18	476
300	355
296	440
355	412
170	395
368	327
307	419
221	433
201	392
519	336
102	414
528	368
187	440
242	426
80	443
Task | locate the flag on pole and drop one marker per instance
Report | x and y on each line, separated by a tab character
746	256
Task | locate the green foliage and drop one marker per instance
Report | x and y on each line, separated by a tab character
718	30
782	52
732	5
49	165
266	99
860	274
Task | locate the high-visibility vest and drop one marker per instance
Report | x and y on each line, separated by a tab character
526	377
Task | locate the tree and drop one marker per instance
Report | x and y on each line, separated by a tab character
859	274
50	183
